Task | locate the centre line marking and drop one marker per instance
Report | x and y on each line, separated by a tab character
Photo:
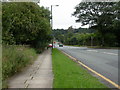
110	53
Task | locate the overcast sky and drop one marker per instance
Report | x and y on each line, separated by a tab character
62	15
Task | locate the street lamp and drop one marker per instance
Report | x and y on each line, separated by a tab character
52	21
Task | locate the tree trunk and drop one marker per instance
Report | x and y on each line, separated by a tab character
103	41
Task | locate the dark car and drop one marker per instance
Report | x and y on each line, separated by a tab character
60	45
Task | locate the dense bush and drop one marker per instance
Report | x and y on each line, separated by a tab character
25	23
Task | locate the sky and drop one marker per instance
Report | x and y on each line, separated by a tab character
62	15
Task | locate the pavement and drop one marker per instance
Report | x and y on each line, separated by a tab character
37	75
103	61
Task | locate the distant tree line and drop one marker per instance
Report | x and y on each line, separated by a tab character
104	21
25	23
82	37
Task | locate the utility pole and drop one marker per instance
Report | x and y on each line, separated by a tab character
52	22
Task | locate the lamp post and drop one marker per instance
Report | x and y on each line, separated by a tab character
52	21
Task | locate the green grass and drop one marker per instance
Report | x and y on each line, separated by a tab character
68	74
14	59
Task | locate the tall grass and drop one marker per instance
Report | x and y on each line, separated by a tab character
14	58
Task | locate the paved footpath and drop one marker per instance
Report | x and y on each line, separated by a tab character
38	75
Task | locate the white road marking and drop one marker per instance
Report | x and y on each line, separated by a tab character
93	50
110	53
103	52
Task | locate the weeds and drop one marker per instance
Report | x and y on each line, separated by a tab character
14	58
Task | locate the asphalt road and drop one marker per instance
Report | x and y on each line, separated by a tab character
104	61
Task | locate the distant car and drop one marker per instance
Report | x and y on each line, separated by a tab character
60	45
50	45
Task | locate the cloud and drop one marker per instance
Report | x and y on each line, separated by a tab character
62	15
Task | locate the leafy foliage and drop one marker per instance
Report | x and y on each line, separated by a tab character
25	23
80	36
102	16
84	37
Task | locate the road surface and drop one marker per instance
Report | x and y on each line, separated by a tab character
104	61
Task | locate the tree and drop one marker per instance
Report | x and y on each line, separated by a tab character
99	15
25	23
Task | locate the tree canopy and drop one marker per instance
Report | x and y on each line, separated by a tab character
96	13
25	23
102	16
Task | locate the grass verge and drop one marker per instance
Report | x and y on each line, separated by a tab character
14	58
68	74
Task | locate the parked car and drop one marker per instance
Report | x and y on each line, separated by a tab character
50	45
